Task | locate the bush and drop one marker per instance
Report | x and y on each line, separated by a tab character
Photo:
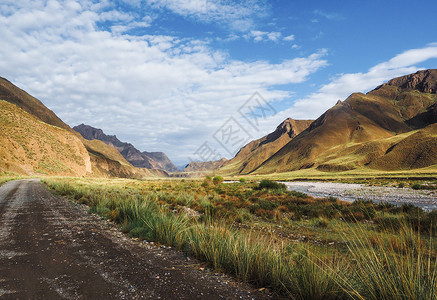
271	185
206	182
401	185
243	180
416	186
217	180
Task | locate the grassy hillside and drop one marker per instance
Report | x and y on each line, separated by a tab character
30	146
35	140
33	106
389	128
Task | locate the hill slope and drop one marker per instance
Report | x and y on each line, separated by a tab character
388	128
197	166
34	139
252	155
29	146
149	160
26	102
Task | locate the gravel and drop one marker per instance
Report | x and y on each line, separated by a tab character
426	199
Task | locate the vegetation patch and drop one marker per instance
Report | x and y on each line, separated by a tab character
298	246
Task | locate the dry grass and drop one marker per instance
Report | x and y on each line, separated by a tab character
339	258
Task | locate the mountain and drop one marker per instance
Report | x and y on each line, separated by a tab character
389	128
252	155
196	166
149	160
29	104
29	146
34	140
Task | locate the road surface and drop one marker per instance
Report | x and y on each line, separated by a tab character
53	249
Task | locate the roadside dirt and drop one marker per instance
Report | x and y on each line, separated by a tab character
53	249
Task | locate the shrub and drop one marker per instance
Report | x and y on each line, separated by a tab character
401	185
217	180
416	186
271	185
243	180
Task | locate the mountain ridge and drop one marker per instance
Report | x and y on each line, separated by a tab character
360	131
149	160
30	155
256	152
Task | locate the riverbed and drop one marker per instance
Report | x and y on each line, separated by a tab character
426	199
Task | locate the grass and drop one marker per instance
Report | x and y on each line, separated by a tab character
298	246
5	179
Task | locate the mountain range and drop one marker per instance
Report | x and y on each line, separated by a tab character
149	160
389	128
34	140
198	166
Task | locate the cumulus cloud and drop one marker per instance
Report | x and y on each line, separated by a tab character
162	93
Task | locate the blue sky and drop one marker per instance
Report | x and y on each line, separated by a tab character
168	75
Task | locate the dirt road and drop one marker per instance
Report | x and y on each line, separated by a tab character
52	249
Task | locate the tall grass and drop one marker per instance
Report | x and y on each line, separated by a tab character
370	265
399	267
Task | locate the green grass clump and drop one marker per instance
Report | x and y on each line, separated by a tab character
217	180
388	268
271	185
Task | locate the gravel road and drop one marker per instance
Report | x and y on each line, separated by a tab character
351	192
52	249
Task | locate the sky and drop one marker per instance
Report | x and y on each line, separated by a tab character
198	79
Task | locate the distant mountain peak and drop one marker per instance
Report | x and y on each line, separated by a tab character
424	81
149	160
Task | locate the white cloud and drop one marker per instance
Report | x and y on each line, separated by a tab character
161	93
259	36
239	15
289	38
343	85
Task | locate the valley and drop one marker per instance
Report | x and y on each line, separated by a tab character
340	207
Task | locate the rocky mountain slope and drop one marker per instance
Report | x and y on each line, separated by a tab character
149	160
389	128
34	140
251	156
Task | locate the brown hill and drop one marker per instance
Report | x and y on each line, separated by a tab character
389	124
149	160
257	152
29	146
35	140
26	102
196	166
